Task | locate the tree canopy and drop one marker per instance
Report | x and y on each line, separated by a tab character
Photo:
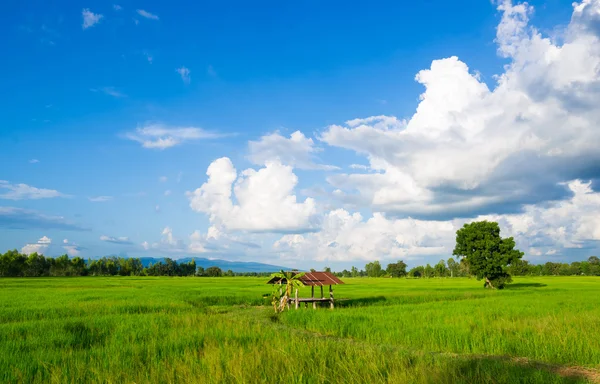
487	254
397	269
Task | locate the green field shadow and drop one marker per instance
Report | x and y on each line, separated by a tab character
525	285
504	370
360	302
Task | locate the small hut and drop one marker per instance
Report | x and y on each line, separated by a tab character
313	279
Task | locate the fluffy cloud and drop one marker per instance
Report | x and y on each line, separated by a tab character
185	74
298	151
345	236
170	244
540	230
265	200
115	240
213	242
72	249
19	218
168	241
157	136
90	18
146	14
469	150
26	192
40	246
546	229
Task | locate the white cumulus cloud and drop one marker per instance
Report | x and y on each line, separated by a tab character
265	199
297	151
72	249
540	230
345	237
39	247
472	150
170	244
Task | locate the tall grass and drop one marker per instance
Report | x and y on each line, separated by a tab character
114	330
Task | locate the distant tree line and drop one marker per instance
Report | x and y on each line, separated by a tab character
15	264
452	268
374	269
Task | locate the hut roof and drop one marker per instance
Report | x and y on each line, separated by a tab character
313	279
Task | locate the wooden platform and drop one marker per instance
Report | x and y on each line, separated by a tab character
310	299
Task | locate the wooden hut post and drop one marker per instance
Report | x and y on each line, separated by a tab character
322	296
296	298
330	297
312	295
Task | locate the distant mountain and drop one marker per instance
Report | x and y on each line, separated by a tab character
235	266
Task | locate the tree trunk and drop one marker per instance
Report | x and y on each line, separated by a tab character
296	298
330	297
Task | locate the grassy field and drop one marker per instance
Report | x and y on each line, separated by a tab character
168	330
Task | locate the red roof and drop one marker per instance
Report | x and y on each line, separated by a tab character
312	279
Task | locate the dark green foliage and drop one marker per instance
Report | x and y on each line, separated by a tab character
440	269
171	268
453	268
214	272
520	267
397	269
428	271
487	254
14	264
373	269
417	272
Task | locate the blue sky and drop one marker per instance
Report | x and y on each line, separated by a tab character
113	112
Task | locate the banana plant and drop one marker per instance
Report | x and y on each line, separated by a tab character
292	281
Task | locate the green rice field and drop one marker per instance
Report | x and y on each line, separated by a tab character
222	330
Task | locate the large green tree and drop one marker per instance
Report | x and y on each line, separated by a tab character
487	254
396	269
374	269
453	267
